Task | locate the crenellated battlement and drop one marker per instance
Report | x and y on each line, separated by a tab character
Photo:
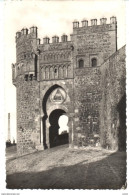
33	31
88	42
84	77
94	22
102	26
94	27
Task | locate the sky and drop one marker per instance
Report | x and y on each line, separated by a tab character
51	18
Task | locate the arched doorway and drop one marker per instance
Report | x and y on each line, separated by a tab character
55	106
58	131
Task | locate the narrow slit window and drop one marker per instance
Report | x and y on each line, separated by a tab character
94	62
26	77
31	77
56	73
81	63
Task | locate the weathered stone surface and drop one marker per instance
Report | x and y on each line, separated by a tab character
113	103
91	95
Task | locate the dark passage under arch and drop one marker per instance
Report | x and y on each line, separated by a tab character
44	102
54	137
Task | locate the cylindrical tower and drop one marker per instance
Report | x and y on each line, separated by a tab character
24	76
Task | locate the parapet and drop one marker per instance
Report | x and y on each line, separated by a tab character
103	26
75	24
33	29
64	38
55	39
84	23
103	21
46	40
113	20
94	22
25	31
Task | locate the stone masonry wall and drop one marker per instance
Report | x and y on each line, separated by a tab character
28	115
67	105
94	42
97	41
113	103
87	95
95	100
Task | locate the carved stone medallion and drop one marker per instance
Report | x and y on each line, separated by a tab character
58	96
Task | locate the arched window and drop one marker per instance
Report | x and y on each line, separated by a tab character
69	71
81	63
94	62
56	72
60	72
47	73
43	73
45	58
64	72
51	73
50	56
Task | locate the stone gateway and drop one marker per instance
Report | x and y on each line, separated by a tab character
83	79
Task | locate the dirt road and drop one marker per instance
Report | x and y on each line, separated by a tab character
64	168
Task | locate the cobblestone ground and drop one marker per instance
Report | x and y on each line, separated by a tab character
64	168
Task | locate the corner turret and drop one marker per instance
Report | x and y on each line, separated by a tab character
113	20
34	31
26	60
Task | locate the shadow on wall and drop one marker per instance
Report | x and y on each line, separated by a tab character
115	138
121	108
108	173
